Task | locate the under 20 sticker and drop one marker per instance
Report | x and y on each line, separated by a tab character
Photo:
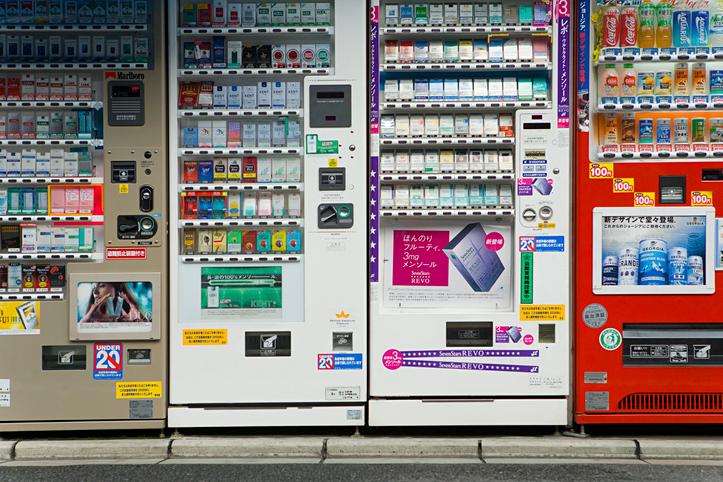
339	361
395	359
108	364
610	339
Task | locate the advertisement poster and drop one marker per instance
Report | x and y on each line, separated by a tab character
110	307
465	264
236	291
19	318
653	250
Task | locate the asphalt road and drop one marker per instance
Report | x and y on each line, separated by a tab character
359	472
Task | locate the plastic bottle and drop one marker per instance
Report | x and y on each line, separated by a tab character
664	23
630	81
646	20
609	82
716	23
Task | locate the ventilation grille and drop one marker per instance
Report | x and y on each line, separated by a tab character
672	403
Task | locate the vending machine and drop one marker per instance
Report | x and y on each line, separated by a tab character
469	238
268	234
83	251
649	170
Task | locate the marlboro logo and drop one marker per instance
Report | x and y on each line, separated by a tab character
114	75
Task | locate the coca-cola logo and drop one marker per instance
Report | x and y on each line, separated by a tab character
611	27
630	29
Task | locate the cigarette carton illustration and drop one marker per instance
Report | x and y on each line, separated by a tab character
479	266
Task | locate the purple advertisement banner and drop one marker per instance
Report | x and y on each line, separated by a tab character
374	157
563	63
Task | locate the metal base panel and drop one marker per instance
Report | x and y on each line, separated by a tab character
389	413
83	425
327	416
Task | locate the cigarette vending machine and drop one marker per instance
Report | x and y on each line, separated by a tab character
82	215
649	172
469	224
269	229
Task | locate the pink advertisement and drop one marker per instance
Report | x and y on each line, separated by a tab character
419	259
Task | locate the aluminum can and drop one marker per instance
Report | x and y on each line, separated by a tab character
696	273
653	262
678	266
610	271
628	266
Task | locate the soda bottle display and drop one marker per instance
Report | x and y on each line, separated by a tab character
646	19
664	22
611	26
629	27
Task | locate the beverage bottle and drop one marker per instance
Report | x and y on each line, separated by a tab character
630	81
609	83
611	26
646	20
629	27
682	80
664	22
716	23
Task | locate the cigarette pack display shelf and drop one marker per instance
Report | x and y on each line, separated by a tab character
676	55
668	106
75	218
204	223
450	212
506	66
240	112
52	142
73	28
51	180
56	104
75	66
467	29
254	30
228	151
666	155
182	73
271	186
51	256
465	105
447	141
241	258
31	296
445	177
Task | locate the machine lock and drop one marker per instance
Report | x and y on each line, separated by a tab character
336	216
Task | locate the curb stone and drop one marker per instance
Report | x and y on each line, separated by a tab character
557	447
6	449
140	448
252	447
402	447
682	449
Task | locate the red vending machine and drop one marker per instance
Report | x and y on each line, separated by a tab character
649	168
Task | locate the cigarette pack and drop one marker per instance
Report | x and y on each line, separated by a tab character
479	266
264	169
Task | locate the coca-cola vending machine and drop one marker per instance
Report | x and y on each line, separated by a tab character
649	164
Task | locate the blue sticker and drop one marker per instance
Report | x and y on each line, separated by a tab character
339	361
541	244
108	361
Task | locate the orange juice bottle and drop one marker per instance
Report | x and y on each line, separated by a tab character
646	21
664	24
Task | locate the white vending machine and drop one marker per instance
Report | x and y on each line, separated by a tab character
268	242
470	180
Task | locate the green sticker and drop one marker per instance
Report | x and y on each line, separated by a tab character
610	339
315	146
526	273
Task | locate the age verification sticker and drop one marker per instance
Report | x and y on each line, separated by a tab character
125	390
108	361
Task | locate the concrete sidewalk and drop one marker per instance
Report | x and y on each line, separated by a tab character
316	449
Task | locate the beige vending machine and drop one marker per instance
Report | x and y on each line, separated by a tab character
83	214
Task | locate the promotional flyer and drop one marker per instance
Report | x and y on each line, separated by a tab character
467	264
115	306
19	318
232	291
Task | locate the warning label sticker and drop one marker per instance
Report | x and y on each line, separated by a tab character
542	312
138	390
206	337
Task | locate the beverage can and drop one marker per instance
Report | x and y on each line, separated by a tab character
716	129
677	266
700	82
610	271
681	130
611	129
663	82
628	266
646	83
645	131
681	86
662	131
696	273
628	27
653	268
697	129
611	26
627	128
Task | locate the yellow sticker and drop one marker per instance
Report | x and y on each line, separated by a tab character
542	312
601	170
123	188
333	162
546	225
623	184
701	198
138	390
206	337
644	199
